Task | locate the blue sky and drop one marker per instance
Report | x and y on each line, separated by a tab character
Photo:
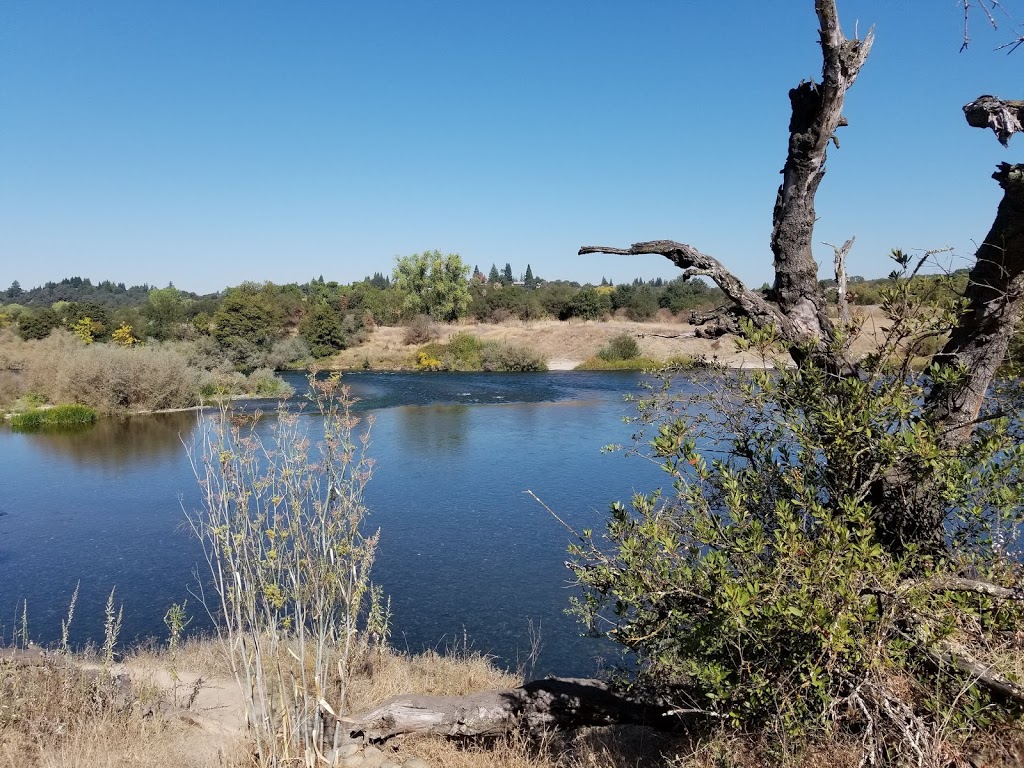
207	143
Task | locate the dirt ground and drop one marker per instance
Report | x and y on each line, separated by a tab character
566	344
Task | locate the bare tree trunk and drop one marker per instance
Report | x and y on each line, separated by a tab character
995	288
817	115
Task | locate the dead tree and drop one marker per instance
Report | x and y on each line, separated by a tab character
796	303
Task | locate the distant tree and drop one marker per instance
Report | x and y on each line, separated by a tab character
493	276
528	280
434	284
15	290
506	276
639	301
164	310
71	313
240	316
322	331
38	324
588	304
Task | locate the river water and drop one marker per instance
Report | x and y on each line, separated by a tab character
465	554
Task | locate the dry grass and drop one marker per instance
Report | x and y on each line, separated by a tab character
55	714
60	715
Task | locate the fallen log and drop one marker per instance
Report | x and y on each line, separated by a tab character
554	702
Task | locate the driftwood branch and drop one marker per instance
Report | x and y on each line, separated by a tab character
957	584
959	659
1004	117
542	704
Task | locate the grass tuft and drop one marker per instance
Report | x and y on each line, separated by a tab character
60	416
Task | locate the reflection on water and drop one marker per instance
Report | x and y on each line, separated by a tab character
113	441
434	430
463	548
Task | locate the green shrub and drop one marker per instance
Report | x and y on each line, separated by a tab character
759	586
60	416
463	352
498	356
622	346
466	352
264	383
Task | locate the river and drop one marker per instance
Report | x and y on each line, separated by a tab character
465	554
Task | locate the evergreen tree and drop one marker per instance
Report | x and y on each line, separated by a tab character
529	279
494	277
15	290
506	275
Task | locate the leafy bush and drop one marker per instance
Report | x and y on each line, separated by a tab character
512	358
466	352
622	346
762	588
588	304
264	383
288	353
640	302
58	416
463	352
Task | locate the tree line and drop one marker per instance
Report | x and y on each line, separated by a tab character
247	322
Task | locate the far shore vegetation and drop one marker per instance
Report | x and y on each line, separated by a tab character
118	349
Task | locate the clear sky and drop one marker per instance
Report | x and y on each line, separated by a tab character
207	143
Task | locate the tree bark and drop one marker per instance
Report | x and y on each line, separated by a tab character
817	113
995	289
542	704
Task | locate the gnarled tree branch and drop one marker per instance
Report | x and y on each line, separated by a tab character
1003	117
958	584
797	302
686	257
